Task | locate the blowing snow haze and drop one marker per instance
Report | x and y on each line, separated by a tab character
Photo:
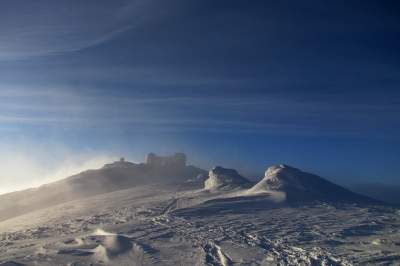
288	113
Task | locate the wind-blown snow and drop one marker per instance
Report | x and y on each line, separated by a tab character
168	224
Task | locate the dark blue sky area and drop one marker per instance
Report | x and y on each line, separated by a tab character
244	84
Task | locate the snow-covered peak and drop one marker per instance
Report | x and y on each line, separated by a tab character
224	178
279	168
303	186
278	177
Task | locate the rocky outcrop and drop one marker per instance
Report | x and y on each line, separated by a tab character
220	178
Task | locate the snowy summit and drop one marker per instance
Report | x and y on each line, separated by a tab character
303	186
224	178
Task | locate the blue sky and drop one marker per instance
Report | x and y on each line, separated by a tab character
314	84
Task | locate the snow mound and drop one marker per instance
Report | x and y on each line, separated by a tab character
280	177
113	249
302	186
220	178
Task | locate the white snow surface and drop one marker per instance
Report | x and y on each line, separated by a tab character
166	225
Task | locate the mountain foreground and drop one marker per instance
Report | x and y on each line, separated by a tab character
164	212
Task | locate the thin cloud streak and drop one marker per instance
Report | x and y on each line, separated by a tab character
46	27
163	114
58	102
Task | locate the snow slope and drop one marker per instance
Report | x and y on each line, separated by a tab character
112	177
153	224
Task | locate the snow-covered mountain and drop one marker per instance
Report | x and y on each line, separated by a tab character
112	177
301	186
163	212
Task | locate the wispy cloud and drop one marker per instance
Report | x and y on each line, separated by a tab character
71	108
47	27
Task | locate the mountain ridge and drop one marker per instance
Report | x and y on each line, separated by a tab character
296	185
111	177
